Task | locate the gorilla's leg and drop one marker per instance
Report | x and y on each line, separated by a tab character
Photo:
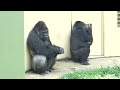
39	64
53	63
55	50
84	55
50	63
81	55
76	55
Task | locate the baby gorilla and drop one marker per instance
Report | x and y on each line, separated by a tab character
41	49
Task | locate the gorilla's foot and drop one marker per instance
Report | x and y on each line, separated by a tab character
46	72
49	70
52	69
85	63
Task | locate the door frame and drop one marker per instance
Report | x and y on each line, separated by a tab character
102	33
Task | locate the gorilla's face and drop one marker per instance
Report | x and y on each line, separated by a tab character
41	30
44	35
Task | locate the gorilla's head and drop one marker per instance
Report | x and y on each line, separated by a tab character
79	25
41	29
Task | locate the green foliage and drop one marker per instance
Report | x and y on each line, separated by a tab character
102	73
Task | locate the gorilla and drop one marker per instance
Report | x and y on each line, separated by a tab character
80	42
42	52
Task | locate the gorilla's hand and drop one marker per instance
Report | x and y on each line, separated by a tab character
61	50
58	49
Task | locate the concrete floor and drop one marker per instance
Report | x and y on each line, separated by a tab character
64	66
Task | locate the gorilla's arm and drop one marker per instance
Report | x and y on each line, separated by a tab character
90	36
87	34
85	44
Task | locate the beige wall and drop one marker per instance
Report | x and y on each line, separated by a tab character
111	34
58	22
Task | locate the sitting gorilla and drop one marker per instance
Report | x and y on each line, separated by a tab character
80	42
41	49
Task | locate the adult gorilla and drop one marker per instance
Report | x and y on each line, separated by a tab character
41	49
80	42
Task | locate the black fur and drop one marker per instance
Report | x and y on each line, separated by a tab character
39	43
80	42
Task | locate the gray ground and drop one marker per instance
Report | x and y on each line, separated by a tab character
64	66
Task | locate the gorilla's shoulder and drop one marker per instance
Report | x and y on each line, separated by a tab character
33	35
